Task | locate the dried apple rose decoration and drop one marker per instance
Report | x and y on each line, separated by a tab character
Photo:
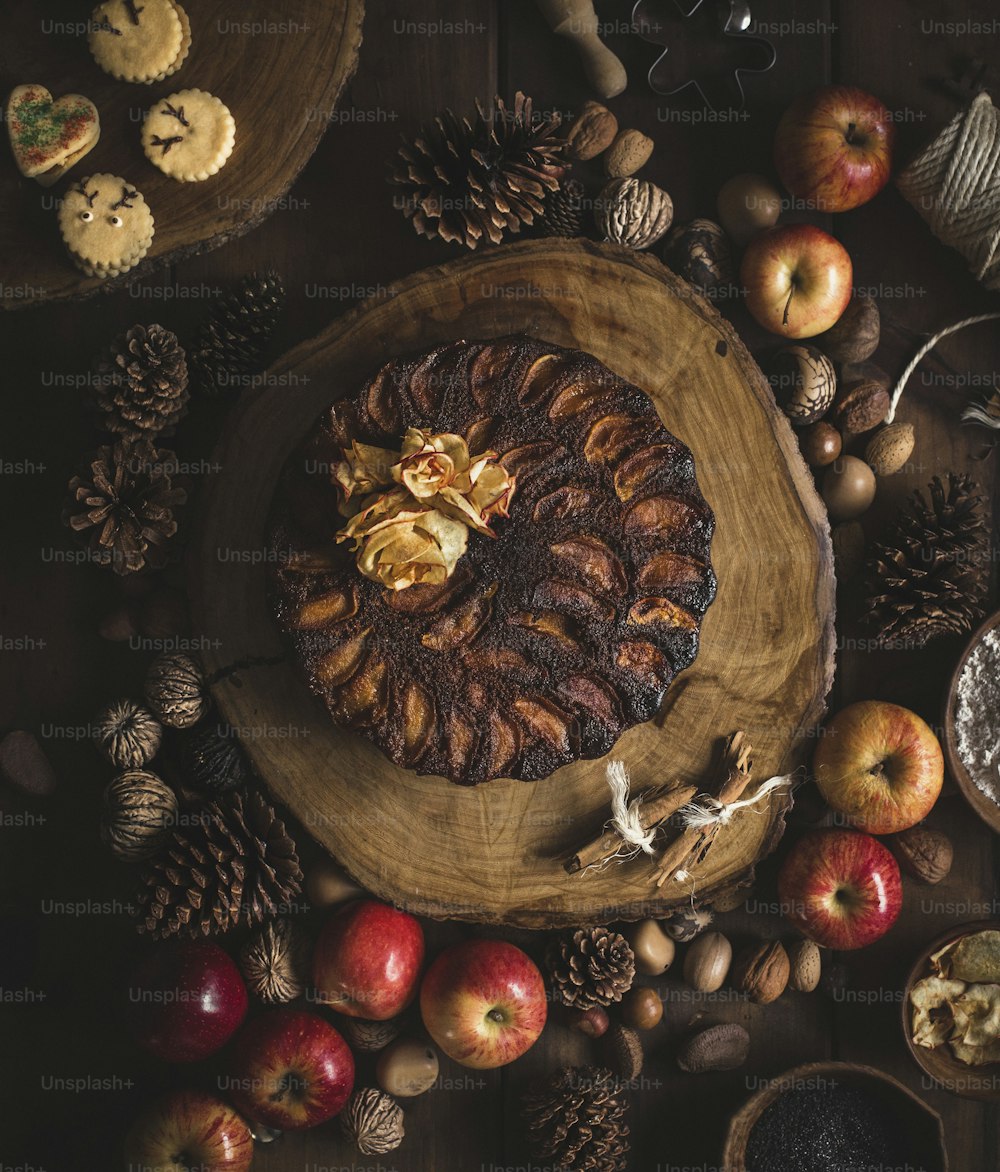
411	511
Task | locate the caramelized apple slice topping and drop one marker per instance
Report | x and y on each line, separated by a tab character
363	700
643	467
575	399
504	745
419	722
433	377
550	625
382	400
537	382
612	436
592	561
337	666
646	662
462	624
670	569
546	721
428	599
479	434
327	609
530	459
662	514
463	739
487	371
662	611
502	660
556	594
567	501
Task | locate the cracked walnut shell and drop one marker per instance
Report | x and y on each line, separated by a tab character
274	962
373	1121
127	734
634	212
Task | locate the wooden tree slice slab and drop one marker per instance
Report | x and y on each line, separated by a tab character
494	853
279	70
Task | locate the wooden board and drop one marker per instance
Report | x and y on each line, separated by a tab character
494	853
281	74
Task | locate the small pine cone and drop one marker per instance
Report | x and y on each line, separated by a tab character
233	864
592	966
234	343
142	386
577	1121
564	212
373	1121
274	962
127	734
121	505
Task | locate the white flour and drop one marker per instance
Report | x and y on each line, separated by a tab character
977	718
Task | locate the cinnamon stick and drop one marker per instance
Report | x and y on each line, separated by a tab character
692	845
652	812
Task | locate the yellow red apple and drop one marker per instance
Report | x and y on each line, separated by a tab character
833	148
483	1002
840	888
189	1129
880	765
798	279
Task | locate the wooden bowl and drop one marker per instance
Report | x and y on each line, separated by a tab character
923	1124
988	810
970	1082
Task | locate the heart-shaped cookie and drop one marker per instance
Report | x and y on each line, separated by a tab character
48	135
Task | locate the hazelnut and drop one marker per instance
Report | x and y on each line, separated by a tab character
926	854
592	1023
707	962
642	1008
627	154
592	132
762	971
653	948
805	966
820	444
720	1047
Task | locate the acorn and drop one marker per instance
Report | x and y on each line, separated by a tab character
804	383
855	335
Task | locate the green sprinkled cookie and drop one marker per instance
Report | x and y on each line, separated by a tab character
189	135
106	225
48	136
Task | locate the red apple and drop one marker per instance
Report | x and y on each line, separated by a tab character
367	960
879	764
797	278
290	1069
483	1002
186	999
840	888
833	148
185	1130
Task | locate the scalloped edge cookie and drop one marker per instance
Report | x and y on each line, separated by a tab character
189	135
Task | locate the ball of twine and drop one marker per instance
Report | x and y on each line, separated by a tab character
955	187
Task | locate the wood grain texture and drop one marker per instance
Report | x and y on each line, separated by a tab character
766	662
281	75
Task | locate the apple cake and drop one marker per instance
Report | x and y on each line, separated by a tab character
557	630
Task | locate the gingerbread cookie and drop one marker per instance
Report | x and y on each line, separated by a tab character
106	225
189	135
48	136
139	42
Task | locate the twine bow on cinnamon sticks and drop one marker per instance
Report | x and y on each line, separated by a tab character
636	825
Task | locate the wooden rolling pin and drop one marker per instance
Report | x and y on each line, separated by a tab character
577	20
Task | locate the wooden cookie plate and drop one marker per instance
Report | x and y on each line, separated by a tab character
494	853
280	70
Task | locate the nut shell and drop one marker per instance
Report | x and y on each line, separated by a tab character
275	961
128	734
687	922
139	810
720	1047
805	966
593	130
621	1050
175	689
848	488
700	252
889	448
407	1068
804	383
924	853
630	151
369	1036
820	444
855	336
654	950
707	962
762	970
373	1121
642	1008
861	406
633	212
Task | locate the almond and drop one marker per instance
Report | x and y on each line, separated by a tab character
805	964
627	154
592	132
890	448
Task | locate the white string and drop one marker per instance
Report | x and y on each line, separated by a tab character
625	818
709	811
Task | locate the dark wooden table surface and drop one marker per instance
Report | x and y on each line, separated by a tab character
69	1079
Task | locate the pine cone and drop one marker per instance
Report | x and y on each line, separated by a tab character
234	344
931	576
577	1121
142	385
592	966
232	864
467	182
121	505
564	214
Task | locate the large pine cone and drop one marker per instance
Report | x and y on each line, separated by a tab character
589	967
577	1121
121	505
234	343
143	385
931	575
469	182
233	864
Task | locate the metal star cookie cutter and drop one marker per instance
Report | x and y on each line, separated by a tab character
719	27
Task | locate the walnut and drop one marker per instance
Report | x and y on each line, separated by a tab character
720	1047
634	212
861	406
762	970
373	1120
926	854
592	132
855	336
139	812
127	734
175	690
370	1036
273	961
